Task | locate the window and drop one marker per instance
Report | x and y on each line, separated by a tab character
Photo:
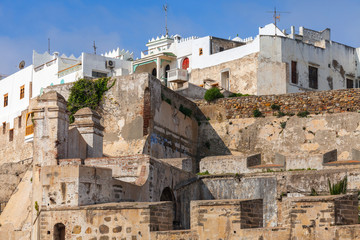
294	76
4	127
96	74
19	122
185	63
11	135
6	100
22	91
313	77
200	51
221	49
349	83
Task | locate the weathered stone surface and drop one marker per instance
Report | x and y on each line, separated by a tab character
76	230
103	229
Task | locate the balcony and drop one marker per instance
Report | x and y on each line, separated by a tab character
177	75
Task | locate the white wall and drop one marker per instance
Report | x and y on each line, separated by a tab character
11	85
92	62
45	77
307	54
207	60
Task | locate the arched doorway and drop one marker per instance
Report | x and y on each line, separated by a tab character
153	72
168	195
185	63
167	68
59	231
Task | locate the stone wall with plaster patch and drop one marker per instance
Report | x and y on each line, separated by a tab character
107	221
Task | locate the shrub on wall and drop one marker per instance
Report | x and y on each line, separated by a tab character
257	113
212	94
87	93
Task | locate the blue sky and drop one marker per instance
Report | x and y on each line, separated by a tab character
73	25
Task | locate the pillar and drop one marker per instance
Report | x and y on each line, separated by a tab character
88	124
51	124
158	68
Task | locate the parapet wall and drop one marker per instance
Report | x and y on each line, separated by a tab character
315	102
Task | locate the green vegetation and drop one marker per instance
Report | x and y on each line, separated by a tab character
212	94
168	101
203	173
37	207
87	93
313	192
338	188
238	95
186	111
257	113
280	114
301	169
303	114
275	107
283	125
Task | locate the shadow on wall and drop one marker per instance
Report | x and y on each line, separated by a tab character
175	126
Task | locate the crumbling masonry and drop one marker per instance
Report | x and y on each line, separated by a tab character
128	171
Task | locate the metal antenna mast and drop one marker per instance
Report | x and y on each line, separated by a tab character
94	46
166	10
276	16
49	45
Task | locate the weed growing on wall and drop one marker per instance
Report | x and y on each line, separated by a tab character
338	188
303	114
186	111
87	93
257	113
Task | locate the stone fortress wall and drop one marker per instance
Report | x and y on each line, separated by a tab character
85	192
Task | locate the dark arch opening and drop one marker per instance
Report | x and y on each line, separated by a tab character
59	231
153	72
168	195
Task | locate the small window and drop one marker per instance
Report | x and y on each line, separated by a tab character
313	77
96	74
11	135
200	51
294	76
19	122
6	100
349	83
4	127
22	91
221	49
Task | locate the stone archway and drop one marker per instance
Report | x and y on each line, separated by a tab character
168	195
59	231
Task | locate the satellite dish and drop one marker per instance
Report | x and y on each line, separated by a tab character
22	64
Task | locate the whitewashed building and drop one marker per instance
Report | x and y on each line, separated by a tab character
47	69
274	62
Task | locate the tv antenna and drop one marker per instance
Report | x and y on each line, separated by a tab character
49	45
166	11
94	46
276	16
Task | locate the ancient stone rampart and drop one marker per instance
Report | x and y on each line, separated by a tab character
315	102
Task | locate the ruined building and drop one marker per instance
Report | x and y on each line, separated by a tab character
129	170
